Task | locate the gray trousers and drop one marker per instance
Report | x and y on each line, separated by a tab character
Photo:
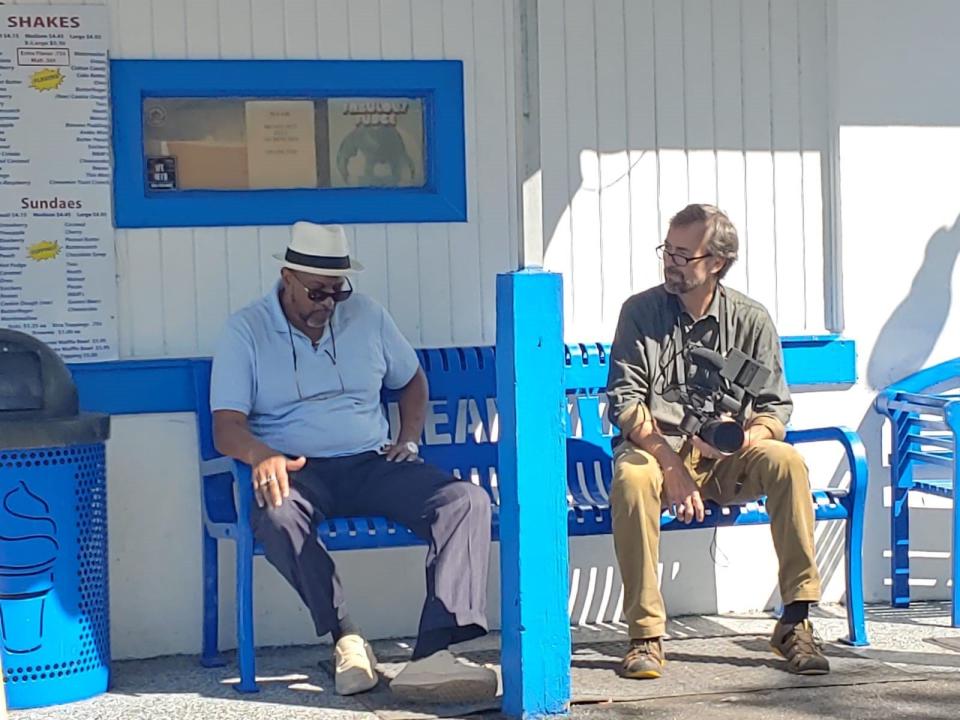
451	515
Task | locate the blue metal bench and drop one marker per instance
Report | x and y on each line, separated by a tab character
462	383
925	423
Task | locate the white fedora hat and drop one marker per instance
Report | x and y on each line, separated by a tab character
319	249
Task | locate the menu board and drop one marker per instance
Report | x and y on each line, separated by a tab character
281	144
57	261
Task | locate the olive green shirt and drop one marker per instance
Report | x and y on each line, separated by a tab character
645	358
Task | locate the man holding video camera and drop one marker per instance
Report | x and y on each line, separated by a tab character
665	341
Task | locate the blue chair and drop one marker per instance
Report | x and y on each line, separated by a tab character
925	424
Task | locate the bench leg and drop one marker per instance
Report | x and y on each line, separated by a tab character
210	656
856	621
245	645
899	539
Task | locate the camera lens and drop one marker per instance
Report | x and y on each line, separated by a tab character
725	435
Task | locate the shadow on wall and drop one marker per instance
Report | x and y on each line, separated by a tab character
903	347
910	334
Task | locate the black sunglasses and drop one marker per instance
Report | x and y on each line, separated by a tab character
320	295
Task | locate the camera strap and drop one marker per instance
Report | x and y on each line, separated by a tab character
680	335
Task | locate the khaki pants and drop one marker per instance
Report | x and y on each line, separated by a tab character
770	468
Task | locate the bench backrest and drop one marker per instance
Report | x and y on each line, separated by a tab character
462	426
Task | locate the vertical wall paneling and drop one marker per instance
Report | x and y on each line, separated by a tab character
180	297
268	29
613	189
698	100
176	269
669	101
555	150
511	189
760	226
236	35
787	169
333	41
243	266
169	20
365	44
203	29
584	170
124	290
433	246
465	239
814	152
493	168
132	27
436	279
403	266
272	241
299	29
726	102
211	273
642	143
646	104
728	131
145	303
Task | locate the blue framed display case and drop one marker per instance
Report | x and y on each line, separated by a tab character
163	188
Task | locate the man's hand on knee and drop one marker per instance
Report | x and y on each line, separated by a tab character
271	483
682	494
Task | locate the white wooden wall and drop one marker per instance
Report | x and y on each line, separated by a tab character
177	287
650	104
646	105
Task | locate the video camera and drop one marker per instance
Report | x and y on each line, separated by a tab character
715	387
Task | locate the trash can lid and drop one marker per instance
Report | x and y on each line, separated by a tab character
82	429
39	406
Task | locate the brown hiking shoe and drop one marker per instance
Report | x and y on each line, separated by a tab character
644	660
801	648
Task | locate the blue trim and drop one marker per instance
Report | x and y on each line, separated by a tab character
535	640
440	82
819	360
124	387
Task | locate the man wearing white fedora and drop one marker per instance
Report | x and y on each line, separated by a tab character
295	393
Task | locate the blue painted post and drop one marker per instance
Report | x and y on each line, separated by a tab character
535	652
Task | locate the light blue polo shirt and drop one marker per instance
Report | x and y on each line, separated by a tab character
340	412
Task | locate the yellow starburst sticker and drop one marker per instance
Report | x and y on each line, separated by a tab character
44	250
46	79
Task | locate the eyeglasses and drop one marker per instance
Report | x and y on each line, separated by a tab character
319	295
678	260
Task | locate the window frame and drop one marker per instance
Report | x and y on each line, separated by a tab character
439	82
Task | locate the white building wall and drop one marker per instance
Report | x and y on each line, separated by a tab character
646	104
177	286
898	123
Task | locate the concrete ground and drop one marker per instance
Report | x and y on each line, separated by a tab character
904	673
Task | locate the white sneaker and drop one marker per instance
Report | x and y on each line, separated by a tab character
355	665
443	678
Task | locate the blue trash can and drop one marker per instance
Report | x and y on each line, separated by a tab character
54	622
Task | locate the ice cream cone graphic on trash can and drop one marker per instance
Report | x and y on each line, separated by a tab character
28	553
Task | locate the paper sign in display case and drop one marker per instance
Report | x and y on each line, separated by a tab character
272	142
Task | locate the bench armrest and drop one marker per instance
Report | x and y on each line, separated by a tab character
242	487
853	448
